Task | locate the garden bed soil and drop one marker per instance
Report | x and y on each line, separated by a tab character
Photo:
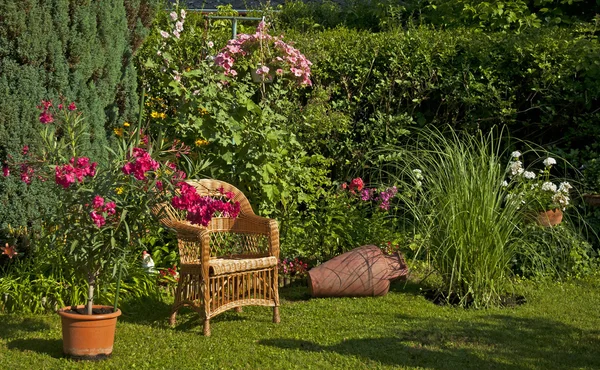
95	311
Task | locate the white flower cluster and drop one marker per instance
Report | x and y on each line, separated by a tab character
549	161
516	168
418	176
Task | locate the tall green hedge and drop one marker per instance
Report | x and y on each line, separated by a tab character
544	83
80	49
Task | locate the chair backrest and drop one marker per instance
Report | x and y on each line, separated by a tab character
211	187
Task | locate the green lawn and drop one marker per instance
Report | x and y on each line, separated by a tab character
558	328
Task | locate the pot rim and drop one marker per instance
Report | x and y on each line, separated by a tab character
74	316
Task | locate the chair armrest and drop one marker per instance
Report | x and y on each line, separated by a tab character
187	233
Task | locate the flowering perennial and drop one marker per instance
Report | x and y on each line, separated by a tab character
141	163
77	169
272	54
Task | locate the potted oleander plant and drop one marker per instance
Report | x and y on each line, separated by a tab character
543	199
103	211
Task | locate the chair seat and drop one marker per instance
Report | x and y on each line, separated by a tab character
220	266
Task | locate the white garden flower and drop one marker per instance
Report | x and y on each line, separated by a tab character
549	161
564	187
515	154
164	34
561	198
183	14
176	34
529	175
534	186
504	183
418	174
548	186
516	168
179	26
173	16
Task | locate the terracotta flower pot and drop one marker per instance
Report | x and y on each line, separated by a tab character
88	337
550	218
592	200
364	271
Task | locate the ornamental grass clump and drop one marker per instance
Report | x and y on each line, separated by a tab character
459	206
103	212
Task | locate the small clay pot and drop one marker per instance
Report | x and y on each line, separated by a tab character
592	200
88	337
550	218
364	271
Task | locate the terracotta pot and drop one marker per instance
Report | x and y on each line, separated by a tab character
88	337
364	271
550	218
592	199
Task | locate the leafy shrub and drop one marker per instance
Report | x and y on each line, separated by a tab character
555	252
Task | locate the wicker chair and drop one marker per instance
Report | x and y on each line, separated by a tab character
228	264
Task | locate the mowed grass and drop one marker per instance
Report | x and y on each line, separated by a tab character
558	328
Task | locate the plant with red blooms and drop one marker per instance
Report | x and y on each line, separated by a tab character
104	211
371	195
292	267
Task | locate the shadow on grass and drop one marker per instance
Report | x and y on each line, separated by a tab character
146	310
294	293
494	342
51	347
12	326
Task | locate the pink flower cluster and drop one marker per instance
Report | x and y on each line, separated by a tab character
293	267
371	194
77	169
286	59
200	210
46	116
101	209
141	163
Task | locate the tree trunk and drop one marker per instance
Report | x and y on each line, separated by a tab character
91	287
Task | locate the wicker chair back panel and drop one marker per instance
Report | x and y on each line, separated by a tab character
226	244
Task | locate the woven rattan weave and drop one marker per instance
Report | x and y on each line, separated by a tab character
228	264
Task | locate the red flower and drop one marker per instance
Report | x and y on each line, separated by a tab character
6	171
25	149
72	106
97	218
98	202
356	184
9	251
46	117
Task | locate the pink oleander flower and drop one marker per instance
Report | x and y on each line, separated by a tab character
5	171
98	202
141	163
72	106
97	218
25	149
26	173
76	170
46	117
109	208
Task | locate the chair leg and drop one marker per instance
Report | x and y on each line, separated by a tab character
238	309
207	327
276	318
